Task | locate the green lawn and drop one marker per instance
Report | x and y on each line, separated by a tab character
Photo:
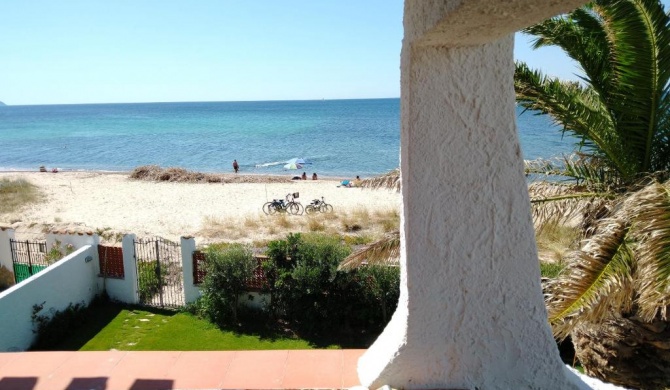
109	327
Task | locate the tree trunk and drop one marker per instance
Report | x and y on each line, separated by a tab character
626	352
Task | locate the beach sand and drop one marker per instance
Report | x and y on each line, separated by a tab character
112	203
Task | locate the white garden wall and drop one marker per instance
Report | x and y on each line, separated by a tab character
71	280
124	290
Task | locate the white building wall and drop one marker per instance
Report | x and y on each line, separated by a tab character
71	280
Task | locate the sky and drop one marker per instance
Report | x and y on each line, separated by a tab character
95	51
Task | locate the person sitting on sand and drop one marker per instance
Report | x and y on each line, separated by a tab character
304	176
314	176
357	182
236	166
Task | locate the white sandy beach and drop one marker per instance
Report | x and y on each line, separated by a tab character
113	202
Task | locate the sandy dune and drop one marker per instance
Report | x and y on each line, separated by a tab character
114	202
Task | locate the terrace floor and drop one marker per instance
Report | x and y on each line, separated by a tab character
111	370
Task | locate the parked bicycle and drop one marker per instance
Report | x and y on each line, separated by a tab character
318	206
290	205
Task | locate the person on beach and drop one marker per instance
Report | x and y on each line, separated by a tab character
357	182
314	176
236	166
304	176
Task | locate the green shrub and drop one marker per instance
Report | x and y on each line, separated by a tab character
53	327
308	290
228	271
148	281
57	252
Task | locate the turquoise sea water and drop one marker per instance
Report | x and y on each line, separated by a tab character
339	137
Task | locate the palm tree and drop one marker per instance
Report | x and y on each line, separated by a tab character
612	298
620	111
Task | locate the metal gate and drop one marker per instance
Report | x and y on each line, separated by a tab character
28	258
159	273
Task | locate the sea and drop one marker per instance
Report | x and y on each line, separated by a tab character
337	138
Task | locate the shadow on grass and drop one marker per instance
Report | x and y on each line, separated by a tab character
83	327
327	337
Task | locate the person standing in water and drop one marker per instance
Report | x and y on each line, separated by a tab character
236	166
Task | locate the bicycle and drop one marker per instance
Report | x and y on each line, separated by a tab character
279	205
292	206
318	206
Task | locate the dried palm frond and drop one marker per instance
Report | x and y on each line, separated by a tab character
383	252
625	264
597	279
651	210
389	180
554	203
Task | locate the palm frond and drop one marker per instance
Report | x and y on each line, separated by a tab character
623	47
389	180
651	208
597	279
383	252
578	110
554	203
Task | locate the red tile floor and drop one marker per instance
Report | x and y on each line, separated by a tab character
113	370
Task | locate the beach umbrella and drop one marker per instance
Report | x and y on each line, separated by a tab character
293	166
296	160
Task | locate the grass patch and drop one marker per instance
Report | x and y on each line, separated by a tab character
357	240
132	329
550	270
140	330
16	194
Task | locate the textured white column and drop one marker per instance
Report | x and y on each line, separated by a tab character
6	233
471	313
130	270
191	292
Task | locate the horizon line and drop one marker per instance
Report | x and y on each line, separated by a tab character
198	101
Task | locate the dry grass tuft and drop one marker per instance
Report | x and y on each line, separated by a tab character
223	228
181	175
282	220
16	194
251	223
316	224
555	241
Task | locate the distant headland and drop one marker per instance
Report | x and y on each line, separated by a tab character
2	104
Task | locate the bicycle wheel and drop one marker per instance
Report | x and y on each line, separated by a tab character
267	207
310	209
292	208
326	208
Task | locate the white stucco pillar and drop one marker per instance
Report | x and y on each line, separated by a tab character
129	286
471	313
191	292
6	233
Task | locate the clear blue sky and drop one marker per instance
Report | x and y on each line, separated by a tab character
95	51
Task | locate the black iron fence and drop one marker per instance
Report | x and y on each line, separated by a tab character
159	273
28	258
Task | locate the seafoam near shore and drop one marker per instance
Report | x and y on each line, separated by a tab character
113	201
